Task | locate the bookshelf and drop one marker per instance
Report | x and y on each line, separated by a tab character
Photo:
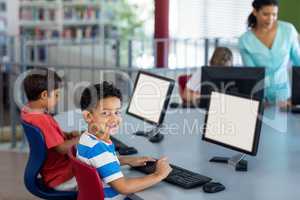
3	16
70	19
3	28
55	22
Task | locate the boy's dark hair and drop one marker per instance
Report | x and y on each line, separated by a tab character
39	80
257	5
92	94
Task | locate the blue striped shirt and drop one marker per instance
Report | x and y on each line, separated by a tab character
102	156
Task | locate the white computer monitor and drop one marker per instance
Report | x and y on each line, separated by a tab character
233	121
150	98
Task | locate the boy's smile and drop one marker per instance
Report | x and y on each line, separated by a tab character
106	116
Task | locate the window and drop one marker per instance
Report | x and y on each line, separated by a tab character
208	18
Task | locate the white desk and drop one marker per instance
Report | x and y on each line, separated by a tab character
273	174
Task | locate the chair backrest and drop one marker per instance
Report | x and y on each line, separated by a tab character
182	81
89	183
37	157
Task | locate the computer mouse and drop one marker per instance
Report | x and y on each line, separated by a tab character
127	151
174	105
156	138
151	163
148	168
213	187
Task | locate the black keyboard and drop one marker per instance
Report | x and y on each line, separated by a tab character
122	148
295	109
182	105
179	176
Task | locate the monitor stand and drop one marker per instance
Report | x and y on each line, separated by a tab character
153	135
237	161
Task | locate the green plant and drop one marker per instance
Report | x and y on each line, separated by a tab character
127	21
124	17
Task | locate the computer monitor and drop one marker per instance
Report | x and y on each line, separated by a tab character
149	101
234	121
247	81
295	89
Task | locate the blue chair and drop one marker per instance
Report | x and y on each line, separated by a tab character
37	156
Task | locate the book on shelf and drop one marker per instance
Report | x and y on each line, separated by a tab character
88	32
37	14
42	19
79	33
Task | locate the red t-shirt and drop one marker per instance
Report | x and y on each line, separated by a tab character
57	167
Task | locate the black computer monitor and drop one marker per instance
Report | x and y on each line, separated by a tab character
149	101
296	89
234	121
247	81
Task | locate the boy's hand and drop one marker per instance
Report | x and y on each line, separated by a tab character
163	168
138	161
72	134
75	133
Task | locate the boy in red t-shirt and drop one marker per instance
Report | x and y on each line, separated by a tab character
42	88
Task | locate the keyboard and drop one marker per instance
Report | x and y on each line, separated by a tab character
183	105
122	148
179	176
295	109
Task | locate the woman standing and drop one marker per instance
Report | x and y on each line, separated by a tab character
272	44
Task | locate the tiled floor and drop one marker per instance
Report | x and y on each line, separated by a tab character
12	165
21	147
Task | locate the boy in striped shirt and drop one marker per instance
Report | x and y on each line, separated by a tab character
101	104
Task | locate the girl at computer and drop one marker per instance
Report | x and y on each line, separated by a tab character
222	56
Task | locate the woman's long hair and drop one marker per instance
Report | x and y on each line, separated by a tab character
257	5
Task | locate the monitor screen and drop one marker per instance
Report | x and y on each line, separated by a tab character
234	122
247	81
150	98
296	86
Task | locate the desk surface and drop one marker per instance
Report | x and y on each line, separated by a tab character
273	174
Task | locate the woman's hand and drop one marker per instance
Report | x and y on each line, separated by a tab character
285	105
